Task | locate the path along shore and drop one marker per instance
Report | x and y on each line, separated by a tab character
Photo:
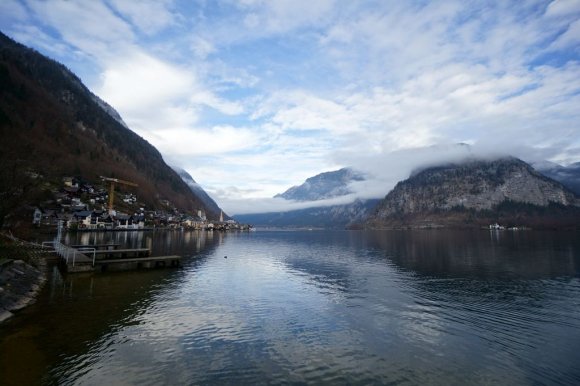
23	273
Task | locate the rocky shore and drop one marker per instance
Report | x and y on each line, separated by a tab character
20	281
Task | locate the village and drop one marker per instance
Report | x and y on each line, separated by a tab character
80	206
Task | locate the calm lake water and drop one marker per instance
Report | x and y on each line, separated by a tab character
318	307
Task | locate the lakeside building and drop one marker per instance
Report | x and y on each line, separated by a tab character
80	206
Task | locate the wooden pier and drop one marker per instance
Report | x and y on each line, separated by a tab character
91	258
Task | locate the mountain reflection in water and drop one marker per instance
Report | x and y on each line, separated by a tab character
311	307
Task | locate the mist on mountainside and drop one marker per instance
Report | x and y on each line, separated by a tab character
379	173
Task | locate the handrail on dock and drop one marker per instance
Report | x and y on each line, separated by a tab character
60	250
46	244
67	252
87	249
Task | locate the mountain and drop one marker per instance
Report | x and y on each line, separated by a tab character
330	217
323	186
476	193
198	190
569	176
53	126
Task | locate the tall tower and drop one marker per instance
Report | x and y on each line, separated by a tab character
221	216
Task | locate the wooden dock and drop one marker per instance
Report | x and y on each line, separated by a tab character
87	258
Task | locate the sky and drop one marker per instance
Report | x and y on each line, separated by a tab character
252	97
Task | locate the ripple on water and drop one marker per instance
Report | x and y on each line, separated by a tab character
323	308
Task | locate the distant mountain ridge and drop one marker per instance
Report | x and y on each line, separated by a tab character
198	190
328	217
323	186
476	192
569	176
54	126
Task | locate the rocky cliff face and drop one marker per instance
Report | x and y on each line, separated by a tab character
476	186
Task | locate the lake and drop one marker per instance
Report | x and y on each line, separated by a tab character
319	307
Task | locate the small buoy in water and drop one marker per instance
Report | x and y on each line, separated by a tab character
225	257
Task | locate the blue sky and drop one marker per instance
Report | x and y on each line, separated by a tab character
254	96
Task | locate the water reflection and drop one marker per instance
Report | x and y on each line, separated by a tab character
436	289
481	253
79	311
160	242
314	307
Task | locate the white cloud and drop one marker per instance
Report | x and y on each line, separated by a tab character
150	16
219	140
28	34
569	39
12	9
205	97
268	163
163	101
284	15
202	47
231	201
138	81
152	122
304	111
563	7
89	26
